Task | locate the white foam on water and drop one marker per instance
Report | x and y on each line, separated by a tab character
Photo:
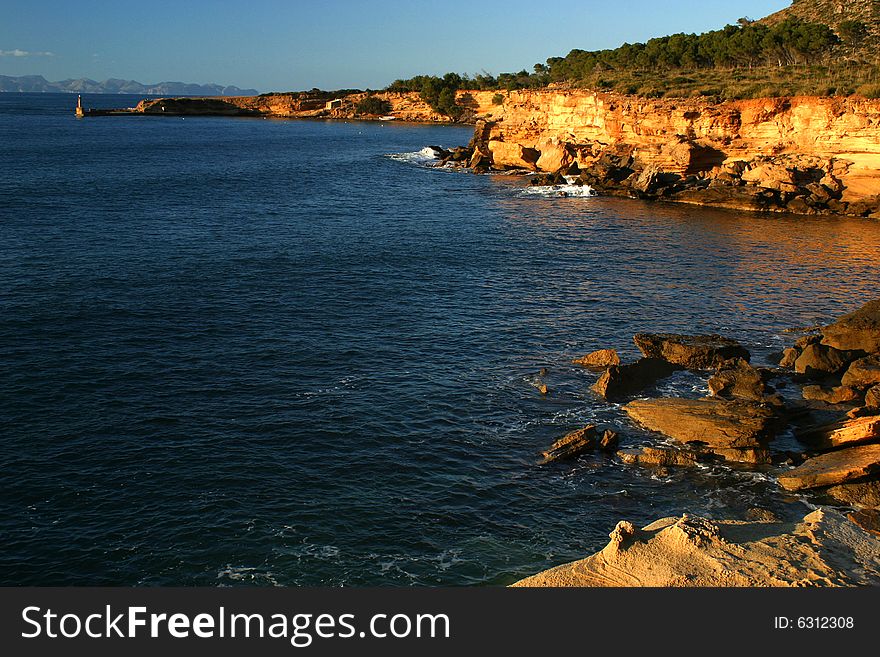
559	191
425	157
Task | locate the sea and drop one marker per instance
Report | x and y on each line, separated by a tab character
242	351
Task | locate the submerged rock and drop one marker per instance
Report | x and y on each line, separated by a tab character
838	467
599	359
620	381
858	330
572	444
693	352
713	422
824	549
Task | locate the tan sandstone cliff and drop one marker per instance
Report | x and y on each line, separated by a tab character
773	140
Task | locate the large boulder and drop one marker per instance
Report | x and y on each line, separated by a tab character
849	431
555	157
833	468
857	330
599	359
507	155
772	176
715	423
822	360
572	444
620	381
693	352
863	373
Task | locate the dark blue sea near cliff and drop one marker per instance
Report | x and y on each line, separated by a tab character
244	351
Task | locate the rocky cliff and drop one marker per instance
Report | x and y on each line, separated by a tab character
823	151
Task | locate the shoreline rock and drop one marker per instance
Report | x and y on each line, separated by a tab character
824	549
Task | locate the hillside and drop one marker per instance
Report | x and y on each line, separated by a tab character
835	14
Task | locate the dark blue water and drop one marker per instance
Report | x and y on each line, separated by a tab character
253	351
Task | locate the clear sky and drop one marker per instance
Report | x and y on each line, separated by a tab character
277	45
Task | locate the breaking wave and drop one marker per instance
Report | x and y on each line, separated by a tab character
425	157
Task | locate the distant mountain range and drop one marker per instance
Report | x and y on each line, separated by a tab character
39	84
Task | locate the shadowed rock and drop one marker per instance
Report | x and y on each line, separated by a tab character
572	444
610	440
872	397
857	330
789	357
867	519
822	360
863	373
838	467
838	395
737	379
713	422
861	493
620	381
693	352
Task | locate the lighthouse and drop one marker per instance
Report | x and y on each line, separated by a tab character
79	106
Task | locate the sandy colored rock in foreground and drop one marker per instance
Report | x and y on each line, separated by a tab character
824	549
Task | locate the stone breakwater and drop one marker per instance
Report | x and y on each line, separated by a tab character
806	155
830	378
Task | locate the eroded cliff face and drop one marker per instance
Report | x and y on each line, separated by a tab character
840	136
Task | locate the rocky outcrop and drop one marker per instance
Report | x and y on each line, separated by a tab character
837	467
693	352
711	422
808	155
824	549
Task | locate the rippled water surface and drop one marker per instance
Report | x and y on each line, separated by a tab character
252	351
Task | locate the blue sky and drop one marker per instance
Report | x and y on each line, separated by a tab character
286	45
